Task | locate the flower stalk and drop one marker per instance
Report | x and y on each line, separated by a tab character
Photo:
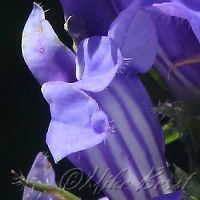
56	192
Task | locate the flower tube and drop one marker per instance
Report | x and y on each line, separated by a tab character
40	184
126	159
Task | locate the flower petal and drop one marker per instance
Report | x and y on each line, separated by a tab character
133	150
98	59
47	58
134	32
119	27
76	124
41	172
177	42
178	8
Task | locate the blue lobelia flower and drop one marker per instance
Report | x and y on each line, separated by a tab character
101	114
177	25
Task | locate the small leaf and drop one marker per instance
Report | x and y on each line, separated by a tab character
170	134
157	78
187	182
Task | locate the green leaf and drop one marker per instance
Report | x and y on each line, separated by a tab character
194	198
187	182
170	134
157	78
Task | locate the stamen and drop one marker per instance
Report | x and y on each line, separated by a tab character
190	60
75	27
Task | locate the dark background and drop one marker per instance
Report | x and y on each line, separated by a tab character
24	114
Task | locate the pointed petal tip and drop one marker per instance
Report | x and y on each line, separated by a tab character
40	172
45	55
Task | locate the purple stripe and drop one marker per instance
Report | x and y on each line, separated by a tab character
172	75
117	140
130	122
122	143
140	140
104	150
147	110
154	128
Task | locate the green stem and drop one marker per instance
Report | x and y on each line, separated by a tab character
57	192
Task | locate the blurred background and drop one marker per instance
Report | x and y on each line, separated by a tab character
24	114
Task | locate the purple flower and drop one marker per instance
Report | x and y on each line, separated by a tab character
101	14
133	25
178	29
102	117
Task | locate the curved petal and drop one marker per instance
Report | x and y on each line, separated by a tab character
177	42
47	58
119	27
41	172
178	8
76	124
135	34
98	59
